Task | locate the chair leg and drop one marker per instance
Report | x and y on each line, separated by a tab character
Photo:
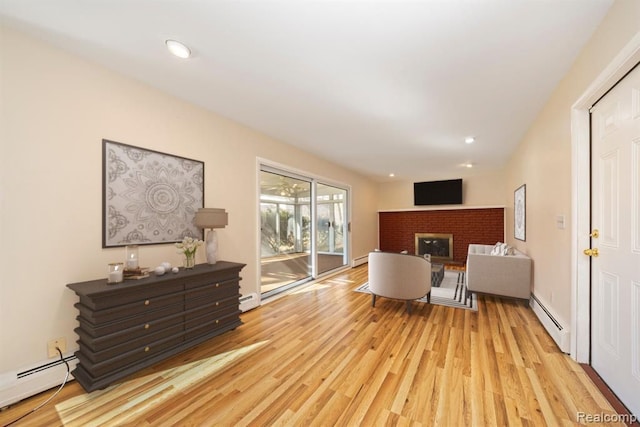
373	300
429	297
408	306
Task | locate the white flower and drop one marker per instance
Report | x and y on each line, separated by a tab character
188	246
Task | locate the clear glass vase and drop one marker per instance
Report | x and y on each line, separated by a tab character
189	260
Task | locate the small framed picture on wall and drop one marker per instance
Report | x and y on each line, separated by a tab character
520	213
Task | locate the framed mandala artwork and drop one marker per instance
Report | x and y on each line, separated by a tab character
520	213
148	197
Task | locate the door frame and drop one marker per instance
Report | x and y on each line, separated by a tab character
619	66
260	161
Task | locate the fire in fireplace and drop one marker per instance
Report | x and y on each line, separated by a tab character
438	245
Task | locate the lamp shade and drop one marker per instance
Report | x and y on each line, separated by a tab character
211	218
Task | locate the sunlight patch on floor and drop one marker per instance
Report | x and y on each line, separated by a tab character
310	288
341	281
122	403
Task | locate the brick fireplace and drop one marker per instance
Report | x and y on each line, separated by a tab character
397	230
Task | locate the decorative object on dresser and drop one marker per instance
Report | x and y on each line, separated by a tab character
188	248
132	257
136	274
126	327
148	197
115	272
132	269
211	218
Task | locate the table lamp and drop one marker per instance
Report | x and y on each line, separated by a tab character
211	218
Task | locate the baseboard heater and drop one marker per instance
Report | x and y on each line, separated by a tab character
560	334
248	302
18	385
360	260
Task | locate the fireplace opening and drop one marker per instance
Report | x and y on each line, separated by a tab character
438	245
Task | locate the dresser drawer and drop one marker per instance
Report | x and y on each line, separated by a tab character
124	360
137	308
210	296
212	310
128	345
101	329
128	294
200	328
217	278
121	335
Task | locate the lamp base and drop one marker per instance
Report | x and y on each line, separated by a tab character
211	246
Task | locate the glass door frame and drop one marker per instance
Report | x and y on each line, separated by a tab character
284	190
332	222
268	166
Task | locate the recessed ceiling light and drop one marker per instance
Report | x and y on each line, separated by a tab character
469	140
178	49
468	165
392	175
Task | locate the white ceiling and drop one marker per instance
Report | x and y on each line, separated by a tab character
377	86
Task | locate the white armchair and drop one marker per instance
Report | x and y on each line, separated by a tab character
505	275
399	276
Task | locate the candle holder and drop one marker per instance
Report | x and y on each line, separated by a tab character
115	272
132	257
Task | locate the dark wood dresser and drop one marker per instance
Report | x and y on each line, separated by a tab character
129	326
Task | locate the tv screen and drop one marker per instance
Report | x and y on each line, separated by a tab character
447	192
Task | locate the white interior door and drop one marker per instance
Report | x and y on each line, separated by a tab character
615	269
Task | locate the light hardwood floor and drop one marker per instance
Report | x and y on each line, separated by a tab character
323	356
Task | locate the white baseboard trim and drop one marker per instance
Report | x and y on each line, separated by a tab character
560	334
250	301
23	383
360	260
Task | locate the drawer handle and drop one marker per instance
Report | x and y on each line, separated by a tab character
147	302
146	349
217	303
146	326
217	321
217	285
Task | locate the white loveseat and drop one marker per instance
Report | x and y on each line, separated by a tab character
505	275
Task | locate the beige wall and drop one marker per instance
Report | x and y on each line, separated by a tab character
56	109
543	162
481	190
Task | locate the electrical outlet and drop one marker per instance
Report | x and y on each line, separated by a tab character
61	343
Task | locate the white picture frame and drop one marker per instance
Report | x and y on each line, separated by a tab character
520	213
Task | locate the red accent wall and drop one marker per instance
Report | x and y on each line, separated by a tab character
397	229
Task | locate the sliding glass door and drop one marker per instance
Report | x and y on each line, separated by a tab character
331	230
303	229
285	229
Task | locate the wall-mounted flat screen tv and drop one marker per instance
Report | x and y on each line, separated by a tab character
447	192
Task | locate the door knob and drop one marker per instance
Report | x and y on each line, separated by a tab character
592	252
595	233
